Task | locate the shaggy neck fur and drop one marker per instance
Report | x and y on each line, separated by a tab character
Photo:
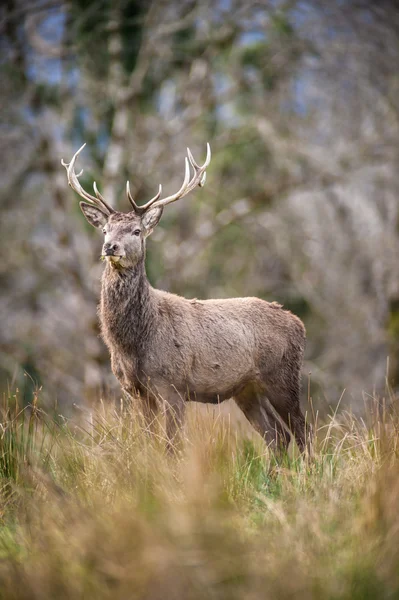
127	309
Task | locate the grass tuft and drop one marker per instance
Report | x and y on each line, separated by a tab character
94	507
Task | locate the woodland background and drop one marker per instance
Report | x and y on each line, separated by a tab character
300	103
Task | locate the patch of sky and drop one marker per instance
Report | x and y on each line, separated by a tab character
103	139
42	68
251	75
221	10
51	29
45	70
301	13
300	100
307	20
83	125
328	27
248	38
226	113
305	96
28	115
166	99
225	5
82	120
221	82
73	76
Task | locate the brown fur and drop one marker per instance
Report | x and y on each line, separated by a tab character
165	346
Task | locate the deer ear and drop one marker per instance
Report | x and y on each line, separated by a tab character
151	218
94	215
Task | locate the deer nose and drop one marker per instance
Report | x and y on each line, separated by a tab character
110	249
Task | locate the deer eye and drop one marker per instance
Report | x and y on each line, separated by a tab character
104	230
137	232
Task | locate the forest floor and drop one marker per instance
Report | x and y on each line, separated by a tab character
93	507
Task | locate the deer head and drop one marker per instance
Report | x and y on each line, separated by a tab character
125	233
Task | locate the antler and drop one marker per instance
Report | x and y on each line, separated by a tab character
188	184
73	181
141	209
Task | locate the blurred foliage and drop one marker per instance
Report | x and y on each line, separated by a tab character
299	101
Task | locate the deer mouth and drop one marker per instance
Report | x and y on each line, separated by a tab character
114	258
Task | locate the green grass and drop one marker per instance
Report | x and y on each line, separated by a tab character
94	507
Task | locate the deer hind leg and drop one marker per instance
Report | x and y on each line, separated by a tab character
284	397
264	421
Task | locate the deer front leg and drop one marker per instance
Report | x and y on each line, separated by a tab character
148	404
150	410
119	372
174	414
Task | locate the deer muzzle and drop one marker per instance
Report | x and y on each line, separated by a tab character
111	257
111	251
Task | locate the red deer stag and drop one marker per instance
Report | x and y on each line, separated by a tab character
166	347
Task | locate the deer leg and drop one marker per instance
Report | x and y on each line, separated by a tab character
302	431
263	420
150	410
174	420
286	403
281	437
174	408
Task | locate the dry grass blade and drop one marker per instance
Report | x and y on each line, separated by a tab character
95	507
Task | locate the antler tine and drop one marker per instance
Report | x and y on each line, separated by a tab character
188	185
74	183
136	208
101	198
192	161
140	210
182	190
146	206
199	170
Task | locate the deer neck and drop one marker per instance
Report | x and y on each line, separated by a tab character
127	308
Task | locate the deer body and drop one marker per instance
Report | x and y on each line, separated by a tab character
171	349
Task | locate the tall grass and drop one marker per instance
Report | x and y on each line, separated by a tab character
94	507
